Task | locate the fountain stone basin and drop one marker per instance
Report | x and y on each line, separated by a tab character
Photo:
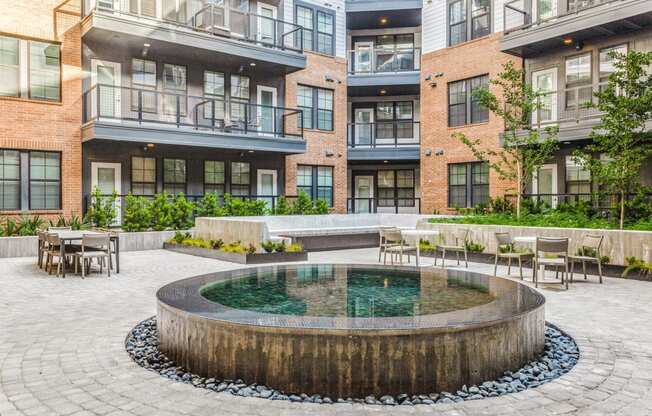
351	330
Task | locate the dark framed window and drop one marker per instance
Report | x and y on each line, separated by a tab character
44	180
318	28
143	175
9	66
579	91
396	188
143	77
9	180
239	97
467	20
607	61
175	87
578	179
316	181
463	107
44	71
214	88
468	184
214	177
240	179
317	106
174	176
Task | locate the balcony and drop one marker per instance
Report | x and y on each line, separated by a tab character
532	27
215	28
147	116
383	67
390	140
381	5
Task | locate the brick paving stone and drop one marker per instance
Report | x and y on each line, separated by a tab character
62	348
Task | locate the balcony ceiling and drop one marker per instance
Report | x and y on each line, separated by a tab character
373	5
390	90
187	43
607	20
371	19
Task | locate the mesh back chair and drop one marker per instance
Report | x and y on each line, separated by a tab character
505	249
389	237
457	244
395	245
94	246
589	252
54	250
551	252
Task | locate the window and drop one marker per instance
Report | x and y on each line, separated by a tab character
309	98
386	189
325	184
214	88
143	7
143	76
174	83
304	179
463	107
174	10
578	75
9	67
44	180
174	176
239	97
324	109
304	102
607	61
45	71
305	19
468	19
214	177
143	175
240	179
325	30
322	39
9	180
468	184
578	179
405	188
316	182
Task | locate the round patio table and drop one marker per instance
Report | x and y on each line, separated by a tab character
417	235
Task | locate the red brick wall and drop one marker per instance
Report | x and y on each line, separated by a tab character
463	61
37	125
320	142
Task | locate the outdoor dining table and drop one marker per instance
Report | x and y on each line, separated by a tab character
417	235
68	237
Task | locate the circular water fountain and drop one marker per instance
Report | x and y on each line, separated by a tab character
349	330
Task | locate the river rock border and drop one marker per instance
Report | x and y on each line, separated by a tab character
559	357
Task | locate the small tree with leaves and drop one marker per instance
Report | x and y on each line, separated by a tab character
524	149
622	137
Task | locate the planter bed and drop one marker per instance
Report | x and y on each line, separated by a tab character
608	270
240	258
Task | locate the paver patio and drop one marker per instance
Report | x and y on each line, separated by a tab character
62	347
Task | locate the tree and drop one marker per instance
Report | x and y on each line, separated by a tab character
622	142
524	149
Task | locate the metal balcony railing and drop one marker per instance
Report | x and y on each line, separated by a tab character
206	114
384	60
384	134
569	105
216	19
384	205
519	14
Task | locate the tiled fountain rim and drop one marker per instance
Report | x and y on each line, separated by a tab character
184	295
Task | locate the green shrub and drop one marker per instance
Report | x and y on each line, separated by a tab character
294	248
208	206
235	247
280	247
217	244
138	213
321	207
182	213
251	249
501	205
236	207
162	211
180	237
268	246
591	252
75	222
101	212
635	264
282	206
472	247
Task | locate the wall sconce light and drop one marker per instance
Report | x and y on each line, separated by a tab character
428	152
329	153
439	152
431	78
329	78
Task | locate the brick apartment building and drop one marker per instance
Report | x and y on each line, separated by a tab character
350	101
